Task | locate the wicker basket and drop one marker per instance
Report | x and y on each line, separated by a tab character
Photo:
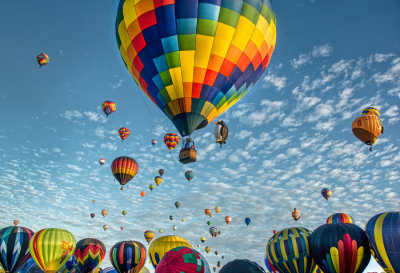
187	155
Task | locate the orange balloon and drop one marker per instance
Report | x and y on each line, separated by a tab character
367	128
142	193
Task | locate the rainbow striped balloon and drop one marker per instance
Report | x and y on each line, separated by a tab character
124	169
195	58
89	254
338	218
42	59
128	256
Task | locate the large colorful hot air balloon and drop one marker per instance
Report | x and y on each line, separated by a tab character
182	259
14	245
296	214
89	253
124	169
195	59
383	231
123	133
162	245
128	256
339	218
177	204
161	172
340	248
368	126
158	180
51	248
189	175
220	132
42	59
108	107
247	221
269	265
296	257
149	235
228	219
242	266
326	193
171	140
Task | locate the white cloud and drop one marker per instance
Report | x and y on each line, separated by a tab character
69	114
278	82
322	51
109	146
243	134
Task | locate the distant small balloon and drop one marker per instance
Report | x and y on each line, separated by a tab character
105	227
104	212
153	142
102	161
142	193
175	227
16	222
161	172
92	215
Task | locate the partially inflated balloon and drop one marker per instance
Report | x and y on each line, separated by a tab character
195	59
182	259
242	266
51	248
108	107
89	254
42	59
14	242
123	133
124	169
128	256
149	235
383	231
340	248
162	245
339	218
296	257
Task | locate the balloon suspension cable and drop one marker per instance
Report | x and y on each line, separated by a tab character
145	103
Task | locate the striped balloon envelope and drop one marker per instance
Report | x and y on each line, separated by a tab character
339	218
289	251
42	59
128	256
383	231
89	253
195	58
124	169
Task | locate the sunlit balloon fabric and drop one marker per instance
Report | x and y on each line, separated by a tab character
42	59
195	58
383	231
182	260
339	218
368	126
289	251
124	169
128	256
171	140
108	107
123	133
89	254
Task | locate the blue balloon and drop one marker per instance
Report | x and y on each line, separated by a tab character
247	221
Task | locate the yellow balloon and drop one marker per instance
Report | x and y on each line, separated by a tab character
51	248
162	245
217	209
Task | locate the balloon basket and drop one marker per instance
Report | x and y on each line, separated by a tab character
187	155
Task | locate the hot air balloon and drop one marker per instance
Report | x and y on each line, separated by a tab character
207	211
228	219
171	140
339	218
216	252
207	249
142	193
51	248
149	235
158	180
102	161
217	209
296	214
268	264
29	267
218	264
195	69
182	259
123	133
213	231
124	169
42	59
203	239
162	245
368	126
153	142
160	230
92	215
188	153
93	201
104	212
105	227
109	269
128	256
14	242
171	217
294	259
177	204
247	221
152	187
122	228
242	266
220	132
124	212
108	107
189	175
383	231
340	248
89	253
214	268
71	263
16	222
208	222
274	231
326	193
183	220
174	227
161	172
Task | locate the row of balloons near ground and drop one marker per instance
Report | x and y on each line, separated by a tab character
339	246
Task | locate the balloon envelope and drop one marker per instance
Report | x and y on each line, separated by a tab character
162	245
247	221
128	256
89	253
124	169
182	259
242	266
339	218
383	231
14	242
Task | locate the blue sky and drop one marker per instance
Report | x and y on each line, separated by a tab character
289	137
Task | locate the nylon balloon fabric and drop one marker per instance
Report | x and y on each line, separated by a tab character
241	266
128	256
339	218
340	248
124	169
89	253
14	243
182	260
195	58
289	251
383	231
